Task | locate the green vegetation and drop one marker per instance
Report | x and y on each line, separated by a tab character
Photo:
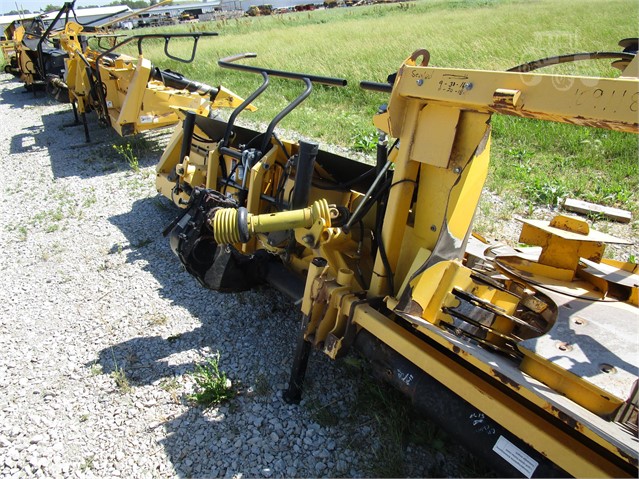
213	387
536	161
126	152
399	425
121	380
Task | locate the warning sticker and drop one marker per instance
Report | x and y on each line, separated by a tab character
146	118
515	456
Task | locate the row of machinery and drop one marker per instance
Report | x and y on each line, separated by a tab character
527	355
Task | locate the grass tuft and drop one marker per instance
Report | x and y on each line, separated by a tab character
213	387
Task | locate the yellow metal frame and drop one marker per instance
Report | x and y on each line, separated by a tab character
441	119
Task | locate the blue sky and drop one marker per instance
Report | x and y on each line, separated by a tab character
36	5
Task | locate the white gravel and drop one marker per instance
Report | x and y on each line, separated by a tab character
91	287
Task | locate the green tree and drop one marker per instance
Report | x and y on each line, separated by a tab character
133	4
17	12
51	8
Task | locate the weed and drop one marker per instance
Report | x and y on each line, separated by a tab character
632	259
121	381
126	151
395	420
143	242
170	384
213	387
119	376
364	141
157	319
322	415
96	369
90	200
22	233
262	386
87	464
84	418
545	191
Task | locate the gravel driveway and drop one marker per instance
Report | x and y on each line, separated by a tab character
91	293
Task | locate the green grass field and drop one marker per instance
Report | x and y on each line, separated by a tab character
533	160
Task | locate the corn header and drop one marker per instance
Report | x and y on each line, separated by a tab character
528	355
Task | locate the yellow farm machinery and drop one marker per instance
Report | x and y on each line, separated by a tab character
127	93
528	355
524	353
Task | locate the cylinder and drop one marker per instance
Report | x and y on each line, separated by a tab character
187	134
304	174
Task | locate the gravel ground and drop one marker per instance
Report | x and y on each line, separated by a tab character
91	290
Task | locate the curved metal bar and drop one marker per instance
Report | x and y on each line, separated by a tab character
289	108
572	57
229	62
239	109
66	8
102	37
139	38
167	38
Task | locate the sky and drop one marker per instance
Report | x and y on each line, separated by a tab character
36	5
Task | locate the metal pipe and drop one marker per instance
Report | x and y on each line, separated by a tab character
188	126
239	109
229	62
304	174
293	393
354	217
374	86
289	108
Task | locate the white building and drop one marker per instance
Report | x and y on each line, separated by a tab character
94	16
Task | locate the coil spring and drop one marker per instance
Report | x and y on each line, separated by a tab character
225	227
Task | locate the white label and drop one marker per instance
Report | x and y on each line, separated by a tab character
146	118
109	104
515	456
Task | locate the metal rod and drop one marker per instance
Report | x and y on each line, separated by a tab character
289	108
374	86
239	109
188	126
304	174
380	176
229	62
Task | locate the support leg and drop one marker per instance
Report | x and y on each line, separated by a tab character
86	128
302	352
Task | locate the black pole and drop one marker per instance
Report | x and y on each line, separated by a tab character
187	134
303	348
304	174
87	139
293	394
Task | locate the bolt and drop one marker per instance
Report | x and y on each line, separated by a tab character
469	86
564	347
433	228
457	169
607	368
420	82
308	239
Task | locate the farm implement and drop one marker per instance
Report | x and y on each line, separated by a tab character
82	65
527	355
